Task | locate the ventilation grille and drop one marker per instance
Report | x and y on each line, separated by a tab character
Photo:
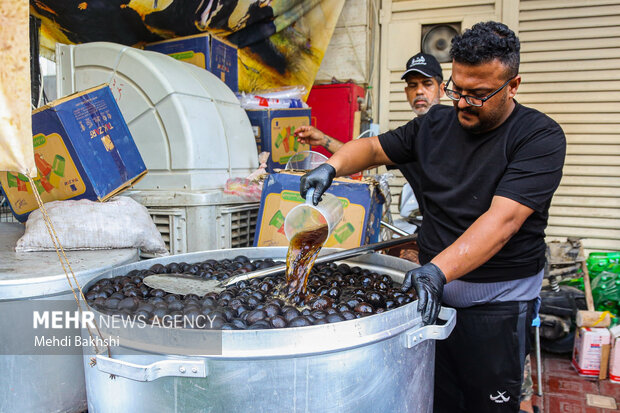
242	225
234	227
171	225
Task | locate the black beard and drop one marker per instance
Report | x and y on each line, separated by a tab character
483	125
472	129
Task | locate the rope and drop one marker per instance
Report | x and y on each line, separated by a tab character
116	63
60	250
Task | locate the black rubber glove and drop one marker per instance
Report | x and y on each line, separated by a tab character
320	178
428	282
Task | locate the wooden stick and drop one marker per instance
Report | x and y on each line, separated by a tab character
605	349
586	282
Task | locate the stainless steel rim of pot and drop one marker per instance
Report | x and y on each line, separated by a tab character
273	343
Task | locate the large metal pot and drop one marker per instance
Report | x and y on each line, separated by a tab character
31	379
383	362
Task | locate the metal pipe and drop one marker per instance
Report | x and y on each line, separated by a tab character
394	229
538	362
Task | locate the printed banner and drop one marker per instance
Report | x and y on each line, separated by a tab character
281	42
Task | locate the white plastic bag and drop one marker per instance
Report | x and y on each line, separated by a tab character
408	203
284	92
120	222
277	98
250	101
250	188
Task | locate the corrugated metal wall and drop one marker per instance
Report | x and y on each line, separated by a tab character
570	64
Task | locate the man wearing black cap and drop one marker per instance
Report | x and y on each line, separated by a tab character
486	170
424	82
424	89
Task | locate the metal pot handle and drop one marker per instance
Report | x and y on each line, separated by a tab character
153	371
432	332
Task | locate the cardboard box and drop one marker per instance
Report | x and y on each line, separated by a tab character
614	360
204	50
82	149
587	350
274	132
362	211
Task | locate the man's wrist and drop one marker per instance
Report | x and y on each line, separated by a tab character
439	272
446	276
335	171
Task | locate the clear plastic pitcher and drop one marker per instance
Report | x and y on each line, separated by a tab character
306	160
307	217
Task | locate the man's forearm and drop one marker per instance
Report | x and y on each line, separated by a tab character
358	155
483	239
331	144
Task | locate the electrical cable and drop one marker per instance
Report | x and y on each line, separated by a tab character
364	133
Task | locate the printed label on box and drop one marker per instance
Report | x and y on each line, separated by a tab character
614	358
57	178
360	200
205	51
189	56
283	141
587	350
223	59
82	149
274	133
347	234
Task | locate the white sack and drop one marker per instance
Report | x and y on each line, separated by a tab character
120	222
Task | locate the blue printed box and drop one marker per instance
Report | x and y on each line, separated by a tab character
362	210
203	50
82	149
274	132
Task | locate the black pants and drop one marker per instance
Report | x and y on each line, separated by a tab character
479	368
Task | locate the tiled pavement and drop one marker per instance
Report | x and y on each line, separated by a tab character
564	391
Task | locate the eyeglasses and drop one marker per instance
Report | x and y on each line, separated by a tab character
472	100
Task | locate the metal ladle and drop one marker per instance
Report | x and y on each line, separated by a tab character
188	284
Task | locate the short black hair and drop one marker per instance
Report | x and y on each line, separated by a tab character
485	42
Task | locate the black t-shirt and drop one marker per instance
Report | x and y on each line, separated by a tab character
455	175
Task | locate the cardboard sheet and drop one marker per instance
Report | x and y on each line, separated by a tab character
16	150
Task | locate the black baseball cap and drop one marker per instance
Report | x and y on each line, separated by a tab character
425	64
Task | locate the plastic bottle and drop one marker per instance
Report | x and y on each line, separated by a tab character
598	262
605	292
574	282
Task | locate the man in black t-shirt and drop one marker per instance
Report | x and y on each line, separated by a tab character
485	171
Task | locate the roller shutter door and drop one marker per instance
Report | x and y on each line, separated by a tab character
570	64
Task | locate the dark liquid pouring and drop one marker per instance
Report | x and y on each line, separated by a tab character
302	253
